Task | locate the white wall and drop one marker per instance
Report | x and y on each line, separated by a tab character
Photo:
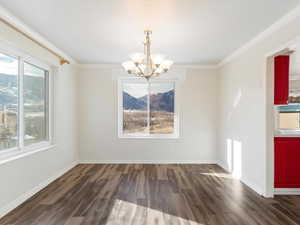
21	176
99	140
243	106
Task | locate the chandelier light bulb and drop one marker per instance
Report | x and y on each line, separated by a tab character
128	66
159	70
137	58
166	65
157	59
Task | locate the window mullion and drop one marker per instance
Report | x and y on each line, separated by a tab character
148	108
47	107
21	104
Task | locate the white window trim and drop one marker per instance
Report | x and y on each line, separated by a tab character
121	135
16	153
9	154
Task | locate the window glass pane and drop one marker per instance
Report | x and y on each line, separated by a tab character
8	102
294	91
162	108
135	97
289	120
289	116
35	108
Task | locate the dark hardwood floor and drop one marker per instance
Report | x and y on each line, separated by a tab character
150	195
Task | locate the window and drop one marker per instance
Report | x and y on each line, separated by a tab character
24	103
147	109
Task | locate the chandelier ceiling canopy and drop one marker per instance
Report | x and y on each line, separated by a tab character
145	64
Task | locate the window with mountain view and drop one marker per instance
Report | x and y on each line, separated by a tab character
148	109
8	101
23	103
35	112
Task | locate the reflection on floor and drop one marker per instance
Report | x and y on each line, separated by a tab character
150	195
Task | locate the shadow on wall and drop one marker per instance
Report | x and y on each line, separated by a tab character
234	157
235	104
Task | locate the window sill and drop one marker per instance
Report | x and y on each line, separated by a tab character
287	133
16	153
149	137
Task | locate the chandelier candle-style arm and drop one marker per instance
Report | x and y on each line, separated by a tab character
147	65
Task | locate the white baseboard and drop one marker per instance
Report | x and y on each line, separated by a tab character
287	191
147	162
12	205
245	181
223	165
253	186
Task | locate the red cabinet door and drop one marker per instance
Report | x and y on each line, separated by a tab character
287	162
281	79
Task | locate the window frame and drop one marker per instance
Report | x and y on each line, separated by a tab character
21	148
122	135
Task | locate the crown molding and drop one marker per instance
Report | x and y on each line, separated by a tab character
119	66
98	66
196	66
266	33
8	16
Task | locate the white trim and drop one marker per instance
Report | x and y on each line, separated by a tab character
289	46
287	191
21	118
18	201
253	186
268	71
196	66
244	180
99	66
7	15
223	165
51	74
121	161
119	66
263	35
17	153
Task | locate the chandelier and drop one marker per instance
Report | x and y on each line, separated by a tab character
147	65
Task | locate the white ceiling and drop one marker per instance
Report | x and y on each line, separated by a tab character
189	31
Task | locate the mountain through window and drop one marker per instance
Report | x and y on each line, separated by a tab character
148	109
24	103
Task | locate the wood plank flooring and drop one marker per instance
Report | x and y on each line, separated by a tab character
152	195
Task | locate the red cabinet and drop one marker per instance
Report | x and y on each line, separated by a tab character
287	162
281	79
